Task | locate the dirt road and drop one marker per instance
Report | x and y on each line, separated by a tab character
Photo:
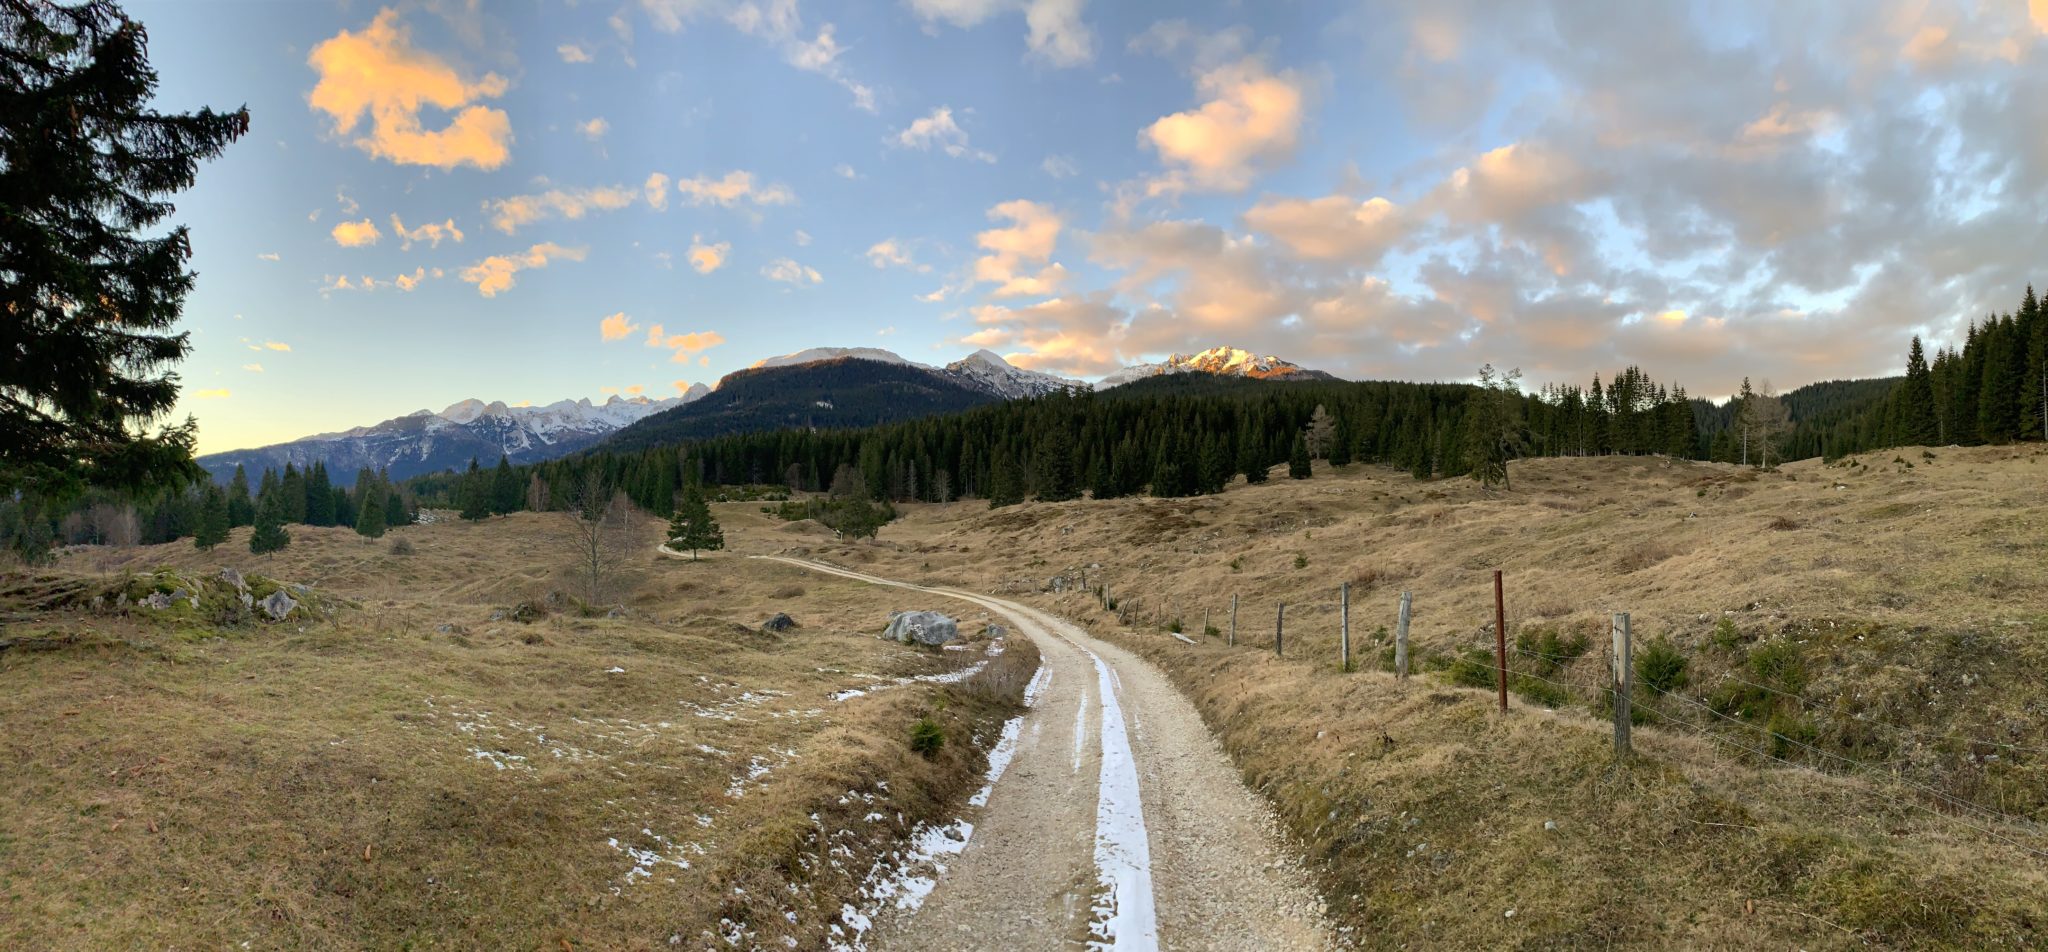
1118	824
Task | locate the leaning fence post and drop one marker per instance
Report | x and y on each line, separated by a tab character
1279	630
1624	668
1205	623
1500	639
1401	639
1344	623
1233	622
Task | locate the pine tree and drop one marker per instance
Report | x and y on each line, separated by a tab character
213	520
504	488
693	528
1251	460
1004	486
270	535
369	510
475	493
1057	481
319	496
395	512
1298	465
291	497
1341	443
1493	427
1916	400
92	277
241	508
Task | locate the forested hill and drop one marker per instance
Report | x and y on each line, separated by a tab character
827	394
1831	418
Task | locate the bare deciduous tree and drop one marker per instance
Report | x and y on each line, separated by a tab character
1322	428
603	525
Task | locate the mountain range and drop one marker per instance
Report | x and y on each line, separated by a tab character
822	387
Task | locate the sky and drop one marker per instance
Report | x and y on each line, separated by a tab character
534	200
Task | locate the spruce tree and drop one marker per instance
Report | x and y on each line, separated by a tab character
395	512
475	493
213	519
319	496
1057	481
241	507
270	535
291	495
1916	400
693	528
1251	460
1298	466
369	511
1004	486
1341	443
92	276
504	488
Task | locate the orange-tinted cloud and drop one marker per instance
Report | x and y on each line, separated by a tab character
495	273
378	72
1252	116
617	327
355	234
429	232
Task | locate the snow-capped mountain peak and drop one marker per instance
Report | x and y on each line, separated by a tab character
1223	361
814	354
987	370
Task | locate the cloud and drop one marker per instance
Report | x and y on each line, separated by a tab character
1029	239
220	393
736	188
707	258
406	282
595	129
1332	228
682	386
509	214
890	253
403	282
635	390
803	238
377	72
1055	34
1251	118
617	327
272	345
656	191
253	368
776	22
939	129
1058	166
845	171
495	273
682	347
355	234
789	272
573	53
429	232
268	256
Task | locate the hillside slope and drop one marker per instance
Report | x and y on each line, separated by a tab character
1854	756
828	394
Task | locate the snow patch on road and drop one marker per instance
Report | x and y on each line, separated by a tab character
1124	915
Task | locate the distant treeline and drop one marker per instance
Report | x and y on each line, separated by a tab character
1179	435
206	510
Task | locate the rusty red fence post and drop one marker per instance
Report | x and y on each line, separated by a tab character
1500	638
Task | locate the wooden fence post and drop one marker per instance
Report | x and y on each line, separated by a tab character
1623	671
1401	639
1233	622
1279	630
1344	624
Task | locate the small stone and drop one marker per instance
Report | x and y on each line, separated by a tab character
779	621
1550	824
278	605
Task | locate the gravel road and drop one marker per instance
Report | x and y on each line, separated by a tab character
1119	824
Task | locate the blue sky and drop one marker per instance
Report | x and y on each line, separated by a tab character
1380	190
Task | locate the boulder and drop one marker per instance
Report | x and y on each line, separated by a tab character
921	627
234	578
778	622
997	631
156	600
278	605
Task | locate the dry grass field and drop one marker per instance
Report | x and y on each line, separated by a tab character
1858	755
411	766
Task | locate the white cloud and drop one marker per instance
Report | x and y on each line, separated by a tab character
1058	166
737	187
1055	33
573	53
253	368
789	272
939	129
594	129
1332	228
509	214
890	253
268	256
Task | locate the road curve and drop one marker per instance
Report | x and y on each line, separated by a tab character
1128	830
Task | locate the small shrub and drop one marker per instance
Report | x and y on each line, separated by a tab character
1779	665
1237	564
1547	651
1538	691
1782	524
1300	560
1789	732
1662	666
1173	626
1474	668
401	546
1212	631
1726	637
927	736
1924	454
